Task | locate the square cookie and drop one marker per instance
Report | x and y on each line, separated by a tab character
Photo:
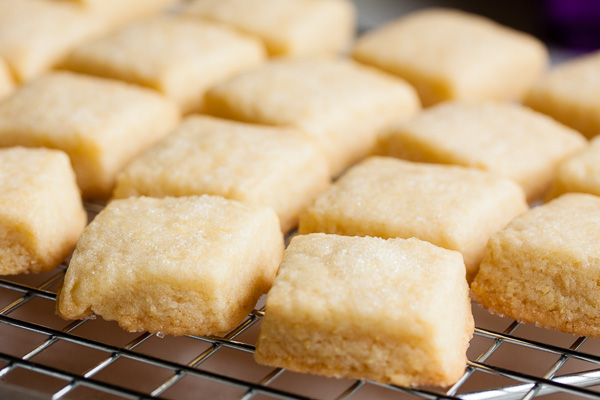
181	58
101	124
188	265
570	93
41	215
36	34
504	138
543	267
448	54
410	325
580	172
287	27
452	207
341	104
276	167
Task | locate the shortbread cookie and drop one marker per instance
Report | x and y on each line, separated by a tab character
543	267
340	103
36	34
181	57
570	93
277	167
287	27
188	265
580	172
452	207
120	12
101	124
448	54
504	138
6	80
394	311
41	215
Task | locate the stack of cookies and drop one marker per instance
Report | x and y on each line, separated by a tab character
407	159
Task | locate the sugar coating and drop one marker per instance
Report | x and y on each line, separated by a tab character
544	267
277	167
580	172
181	57
287	27
6	80
504	138
452	207
447	54
410	325
41	215
118	12
101	124
36	34
341	104
570	93
188	265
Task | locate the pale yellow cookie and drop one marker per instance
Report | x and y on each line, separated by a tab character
342	104
41	215
452	207
36	34
276	167
6	80
101	124
394	311
120	12
504	138
570	93
187	265
543	268
287	27
449	54
180	57
580	172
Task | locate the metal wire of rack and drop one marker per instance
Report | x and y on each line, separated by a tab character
43	356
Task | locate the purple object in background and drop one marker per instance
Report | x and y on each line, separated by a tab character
574	24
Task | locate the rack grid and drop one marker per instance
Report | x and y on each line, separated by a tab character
43	356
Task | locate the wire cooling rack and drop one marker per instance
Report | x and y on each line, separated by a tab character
43	356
